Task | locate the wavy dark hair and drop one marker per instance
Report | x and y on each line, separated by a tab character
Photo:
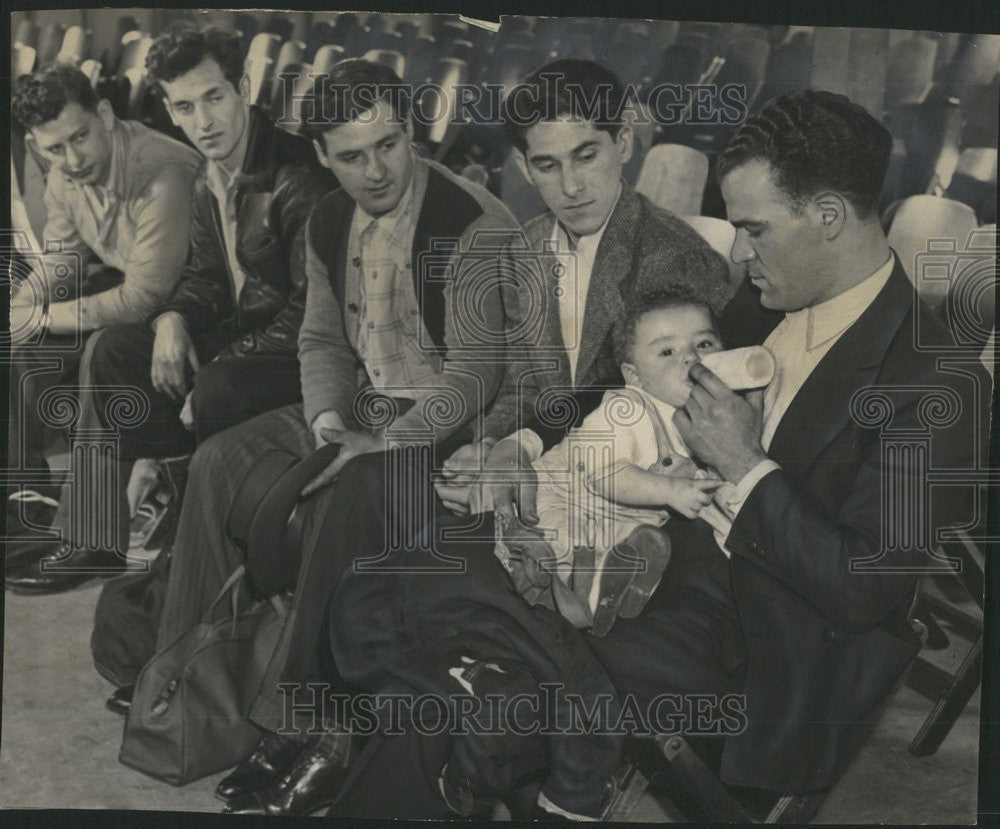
183	46
350	88
569	87
42	96
815	142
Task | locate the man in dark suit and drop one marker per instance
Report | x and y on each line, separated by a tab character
802	607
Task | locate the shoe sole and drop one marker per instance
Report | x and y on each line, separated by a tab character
47	590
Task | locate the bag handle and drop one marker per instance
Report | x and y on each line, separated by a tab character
229	585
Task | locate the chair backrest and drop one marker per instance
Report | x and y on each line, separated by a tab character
721	236
926	229
75	46
292	51
979	163
673	177
326	56
447	74
26	34
260	62
92	69
22	60
394	60
970	305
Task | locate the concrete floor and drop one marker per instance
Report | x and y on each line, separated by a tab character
59	745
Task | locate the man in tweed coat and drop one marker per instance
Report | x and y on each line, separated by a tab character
567	276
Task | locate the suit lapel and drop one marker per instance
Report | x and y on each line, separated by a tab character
613	263
821	409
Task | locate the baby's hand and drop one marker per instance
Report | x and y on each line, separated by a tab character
691	495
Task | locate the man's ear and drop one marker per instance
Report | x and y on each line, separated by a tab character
631	375
830	211
106	113
321	154
522	165
408	127
244	89
625	142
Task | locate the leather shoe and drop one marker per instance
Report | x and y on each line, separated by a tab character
70	569
271	758
312	783
120	702
24	552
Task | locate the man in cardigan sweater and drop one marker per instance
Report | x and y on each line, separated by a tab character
607	241
401	316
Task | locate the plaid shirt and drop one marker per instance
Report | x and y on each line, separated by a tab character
390	328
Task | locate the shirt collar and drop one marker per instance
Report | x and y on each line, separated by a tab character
831	318
218	174
585	244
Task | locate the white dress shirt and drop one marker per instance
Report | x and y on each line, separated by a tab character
798	343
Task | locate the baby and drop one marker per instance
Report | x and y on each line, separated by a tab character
606	488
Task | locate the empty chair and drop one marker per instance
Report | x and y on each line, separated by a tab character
911	70
720	236
92	69
461	50
22	60
75	46
673	177
326	57
292	51
26	34
974	181
393	60
438	105
50	39
289	87
926	232
260	64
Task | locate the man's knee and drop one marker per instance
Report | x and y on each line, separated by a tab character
119	351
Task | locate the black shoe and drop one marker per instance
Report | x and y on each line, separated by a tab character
69	568
631	574
271	758
29	510
121	700
23	552
312	783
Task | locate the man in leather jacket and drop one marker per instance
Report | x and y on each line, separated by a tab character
223	348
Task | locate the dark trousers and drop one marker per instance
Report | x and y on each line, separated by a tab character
35	373
391	629
378	503
420	627
226	392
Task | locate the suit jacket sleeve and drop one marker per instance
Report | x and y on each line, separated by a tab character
815	552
